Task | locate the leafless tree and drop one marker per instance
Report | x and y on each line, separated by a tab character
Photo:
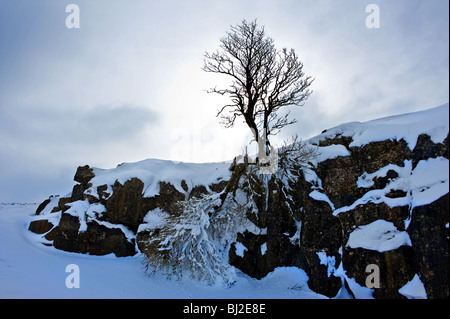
264	80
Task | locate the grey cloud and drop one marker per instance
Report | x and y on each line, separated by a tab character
101	124
106	124
41	148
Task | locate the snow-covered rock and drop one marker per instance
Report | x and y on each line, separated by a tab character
375	194
105	209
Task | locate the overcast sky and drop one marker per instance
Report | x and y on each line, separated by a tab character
127	85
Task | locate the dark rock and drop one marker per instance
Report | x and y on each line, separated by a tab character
281	227
184	185
323	232
84	174
62	204
320	229
286	207
42	206
142	238
396	268
67	235
339	178
381	182
370	212
40	226
97	239
218	187
78	192
338	139
126	205
198	191
320	232
253	262
51	234
319	280
168	198
101	191
396	193
429	236
426	148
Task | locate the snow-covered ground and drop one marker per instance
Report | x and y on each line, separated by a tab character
28	269
433	122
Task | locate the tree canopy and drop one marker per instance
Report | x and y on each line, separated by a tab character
263	80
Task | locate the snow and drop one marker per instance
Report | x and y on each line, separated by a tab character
429	181
318	192
29	269
328	261
263	248
367	180
152	171
331	151
414	289
129	235
79	209
240	249
295	239
433	122
359	291
425	184
54	200
379	235
315	194
155	218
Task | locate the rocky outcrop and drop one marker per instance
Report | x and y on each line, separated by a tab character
325	222
104	219
305	221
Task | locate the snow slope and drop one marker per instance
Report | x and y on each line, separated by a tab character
433	122
29	269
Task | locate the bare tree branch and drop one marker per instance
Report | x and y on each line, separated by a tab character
263	79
